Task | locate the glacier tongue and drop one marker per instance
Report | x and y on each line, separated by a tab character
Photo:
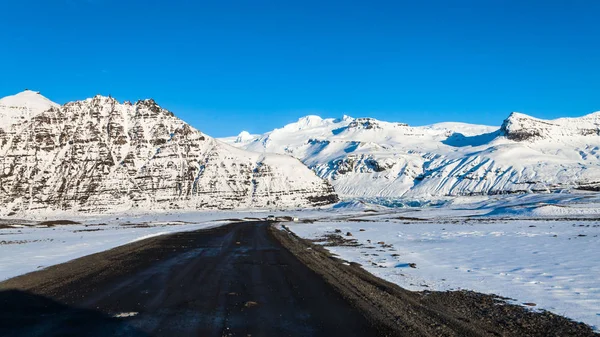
365	157
99	155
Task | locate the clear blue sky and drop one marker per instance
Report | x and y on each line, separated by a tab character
225	66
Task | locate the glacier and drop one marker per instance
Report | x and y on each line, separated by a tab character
365	157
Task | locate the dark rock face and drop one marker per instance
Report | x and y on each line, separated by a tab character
361	163
364	123
98	155
368	123
520	128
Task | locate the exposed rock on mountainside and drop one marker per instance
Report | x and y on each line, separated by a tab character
366	157
99	155
520	127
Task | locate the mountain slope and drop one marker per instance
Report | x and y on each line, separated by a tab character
99	155
521	127
22	106
366	157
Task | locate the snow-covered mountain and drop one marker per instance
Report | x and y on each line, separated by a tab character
366	157
100	155
22	106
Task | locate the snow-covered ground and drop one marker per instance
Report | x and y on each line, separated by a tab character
532	254
535	248
26	249
26	246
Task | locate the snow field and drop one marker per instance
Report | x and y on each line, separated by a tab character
27	249
553	264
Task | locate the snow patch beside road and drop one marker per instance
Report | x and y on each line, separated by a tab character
25	249
550	263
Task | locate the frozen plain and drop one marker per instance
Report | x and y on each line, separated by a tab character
534	249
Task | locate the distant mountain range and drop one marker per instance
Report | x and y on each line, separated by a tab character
99	155
365	157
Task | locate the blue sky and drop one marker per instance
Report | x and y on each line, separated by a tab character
225	66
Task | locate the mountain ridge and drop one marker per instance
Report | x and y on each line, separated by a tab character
145	150
521	127
367	157
98	155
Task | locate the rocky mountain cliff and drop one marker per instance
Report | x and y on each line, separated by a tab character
365	157
99	155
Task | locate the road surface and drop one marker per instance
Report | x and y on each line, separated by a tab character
239	280
235	280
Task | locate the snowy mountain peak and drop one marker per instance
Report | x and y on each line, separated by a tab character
521	127
305	122
26	97
366	123
243	137
516	114
100	99
368	157
22	106
98	155
345	118
149	102
108	98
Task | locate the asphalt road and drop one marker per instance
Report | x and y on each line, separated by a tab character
235	280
